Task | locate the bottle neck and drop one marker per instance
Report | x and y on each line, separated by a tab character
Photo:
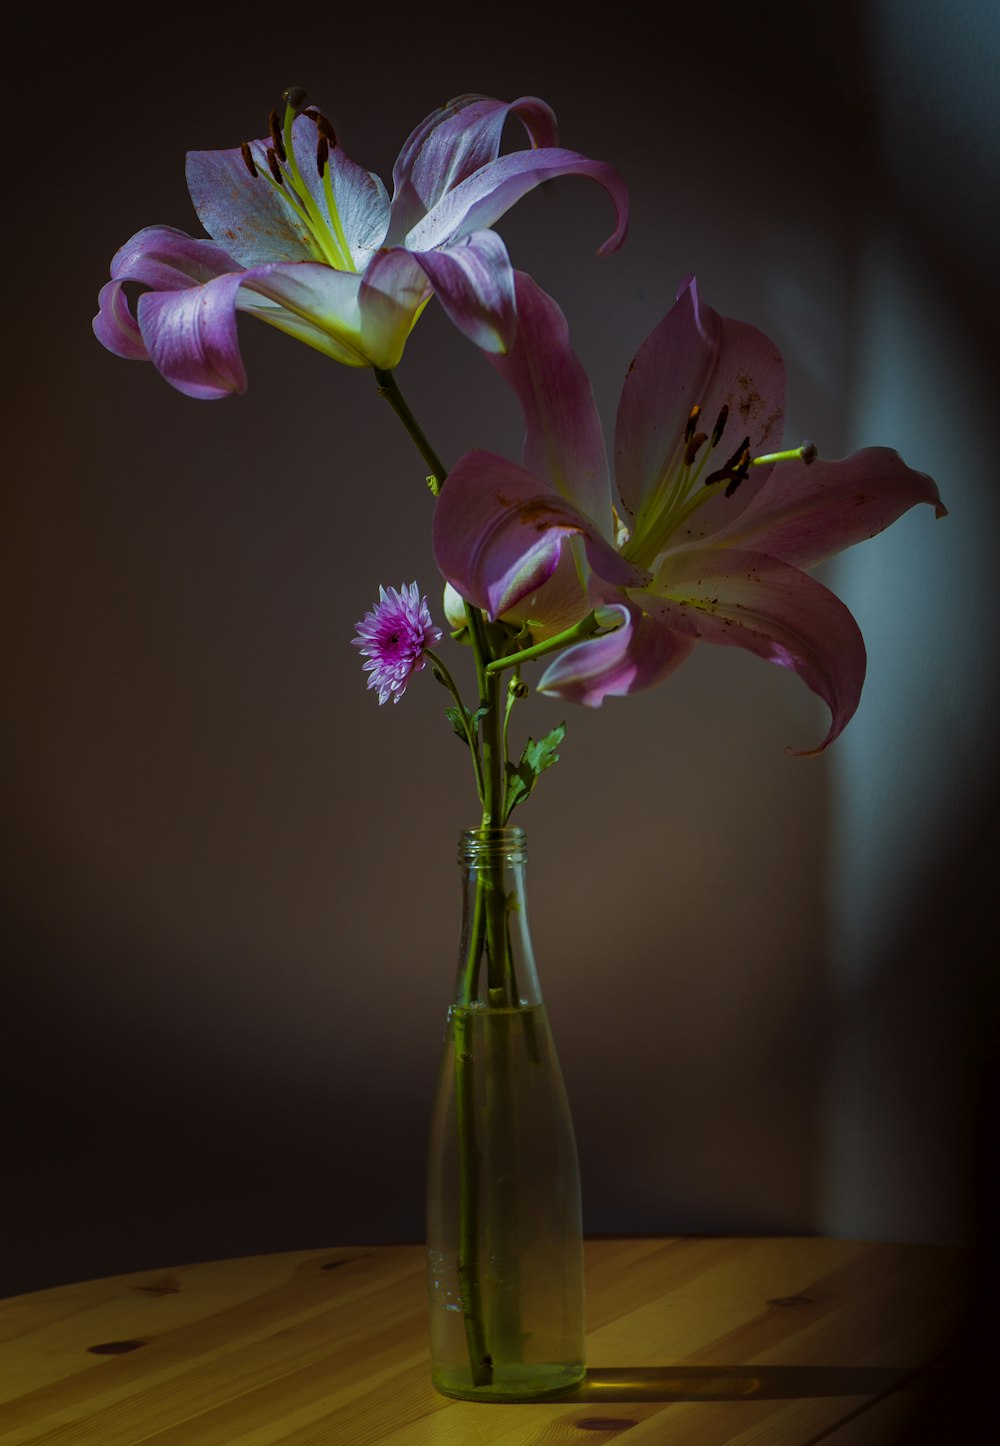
496	962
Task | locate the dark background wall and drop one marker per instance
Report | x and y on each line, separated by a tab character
230	897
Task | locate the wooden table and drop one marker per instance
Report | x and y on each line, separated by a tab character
697	1342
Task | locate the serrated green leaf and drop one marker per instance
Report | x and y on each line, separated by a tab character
535	758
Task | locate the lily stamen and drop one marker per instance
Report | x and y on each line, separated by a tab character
324	232
274	167
692	422
276	140
693	447
720	424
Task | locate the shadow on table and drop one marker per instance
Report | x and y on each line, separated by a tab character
735	1383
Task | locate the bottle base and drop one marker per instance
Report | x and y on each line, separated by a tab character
513	1384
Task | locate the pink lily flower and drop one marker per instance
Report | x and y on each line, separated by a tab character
713	526
309	242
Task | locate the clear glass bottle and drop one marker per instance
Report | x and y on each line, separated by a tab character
504	1241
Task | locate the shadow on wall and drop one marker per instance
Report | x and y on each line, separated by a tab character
915	781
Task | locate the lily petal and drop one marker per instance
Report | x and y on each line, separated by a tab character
242	212
563	443
498	533
474	283
393	292
696	358
808	513
482	198
637	655
752	601
452	143
170	261
191	337
114	325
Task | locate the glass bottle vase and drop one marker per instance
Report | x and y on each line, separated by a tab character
504	1242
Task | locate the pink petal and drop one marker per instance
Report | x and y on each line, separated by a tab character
474	283
164	258
115	326
639	654
807	513
170	260
498	533
191	337
696	358
453	143
563	444
749	600
250	219
489	193
394	290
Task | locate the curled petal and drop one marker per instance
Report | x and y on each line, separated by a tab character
563	442
498	534
489	193
808	513
637	655
115	327
170	260
173	262
451	144
474	283
191	337
749	600
696	358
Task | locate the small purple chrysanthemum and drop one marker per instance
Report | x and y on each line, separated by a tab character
394	637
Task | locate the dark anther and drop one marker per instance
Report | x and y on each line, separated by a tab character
276	140
294	96
273	167
691	450
322	125
692	422
809	452
742	468
720	424
735	469
322	152
247	155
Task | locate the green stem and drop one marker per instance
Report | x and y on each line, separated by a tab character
586	628
488	930
470	738
389	388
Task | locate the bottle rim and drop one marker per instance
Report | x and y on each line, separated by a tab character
506	842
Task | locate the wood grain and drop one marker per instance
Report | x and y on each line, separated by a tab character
692	1342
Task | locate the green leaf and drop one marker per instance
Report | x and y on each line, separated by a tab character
536	757
455	715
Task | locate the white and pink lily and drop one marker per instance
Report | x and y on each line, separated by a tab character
712	528
311	243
